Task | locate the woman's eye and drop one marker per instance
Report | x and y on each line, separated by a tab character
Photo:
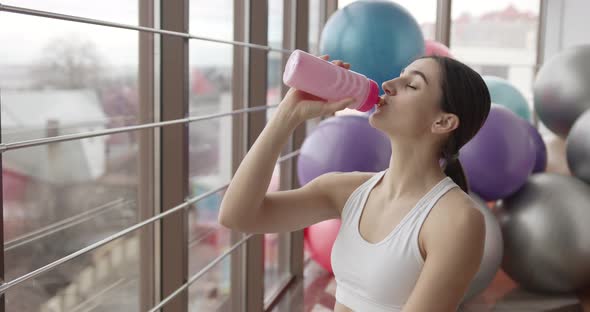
410	86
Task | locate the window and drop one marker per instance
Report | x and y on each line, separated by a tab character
59	78
494	70
276	12
210	148
314	25
498	38
62	77
424	12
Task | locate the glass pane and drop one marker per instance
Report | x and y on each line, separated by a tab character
207	239
314	25
498	38
210	149
272	269
100	281
59	78
212	291
126	11
66	77
424	11
274	64
213	20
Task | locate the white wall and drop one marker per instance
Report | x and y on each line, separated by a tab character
566	25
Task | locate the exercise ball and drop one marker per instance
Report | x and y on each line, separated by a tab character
343	143
433	48
546	235
540	149
499	159
378	38
561	92
492	252
504	93
578	148
320	240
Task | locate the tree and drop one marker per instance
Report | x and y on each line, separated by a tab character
68	63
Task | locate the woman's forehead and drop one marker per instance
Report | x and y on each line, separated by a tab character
428	66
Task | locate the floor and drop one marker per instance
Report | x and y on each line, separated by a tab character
316	294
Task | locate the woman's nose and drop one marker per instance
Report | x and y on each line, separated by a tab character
388	87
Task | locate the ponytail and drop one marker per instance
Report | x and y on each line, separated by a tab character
454	170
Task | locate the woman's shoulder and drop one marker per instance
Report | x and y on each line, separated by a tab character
456	204
342	184
455	212
346	179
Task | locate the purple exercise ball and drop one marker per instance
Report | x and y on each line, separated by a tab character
343	144
540	149
500	158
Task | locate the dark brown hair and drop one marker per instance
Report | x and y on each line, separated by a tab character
465	94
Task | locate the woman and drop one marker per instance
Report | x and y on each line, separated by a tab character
411	238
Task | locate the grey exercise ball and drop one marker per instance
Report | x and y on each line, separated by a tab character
561	92
546	234
492	252
578	148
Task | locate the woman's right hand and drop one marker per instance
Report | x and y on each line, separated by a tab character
301	106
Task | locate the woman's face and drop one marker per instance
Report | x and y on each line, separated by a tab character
411	104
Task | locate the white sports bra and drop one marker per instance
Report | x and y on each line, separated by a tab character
380	277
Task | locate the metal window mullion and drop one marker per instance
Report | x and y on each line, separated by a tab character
284	239
239	149
541	37
301	36
330	6
443	22
3	253
146	158
288	42
275	299
174	153
256	72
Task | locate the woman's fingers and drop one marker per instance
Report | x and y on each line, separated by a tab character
341	64
336	62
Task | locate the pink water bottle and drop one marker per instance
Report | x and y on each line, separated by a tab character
330	82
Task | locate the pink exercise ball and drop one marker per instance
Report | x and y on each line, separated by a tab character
320	238
436	48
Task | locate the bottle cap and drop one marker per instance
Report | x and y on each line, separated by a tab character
372	98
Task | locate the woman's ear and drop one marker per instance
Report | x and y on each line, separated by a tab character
445	123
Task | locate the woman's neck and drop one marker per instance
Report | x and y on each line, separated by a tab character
413	170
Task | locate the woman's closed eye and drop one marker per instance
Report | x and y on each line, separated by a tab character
412	87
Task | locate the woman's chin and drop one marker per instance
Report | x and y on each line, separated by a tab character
373	119
377	113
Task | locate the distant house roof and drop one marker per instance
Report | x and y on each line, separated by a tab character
510	13
33	108
26	114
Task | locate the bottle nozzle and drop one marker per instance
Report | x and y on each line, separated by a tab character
372	99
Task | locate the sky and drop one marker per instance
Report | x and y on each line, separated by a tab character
425	10
22	38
